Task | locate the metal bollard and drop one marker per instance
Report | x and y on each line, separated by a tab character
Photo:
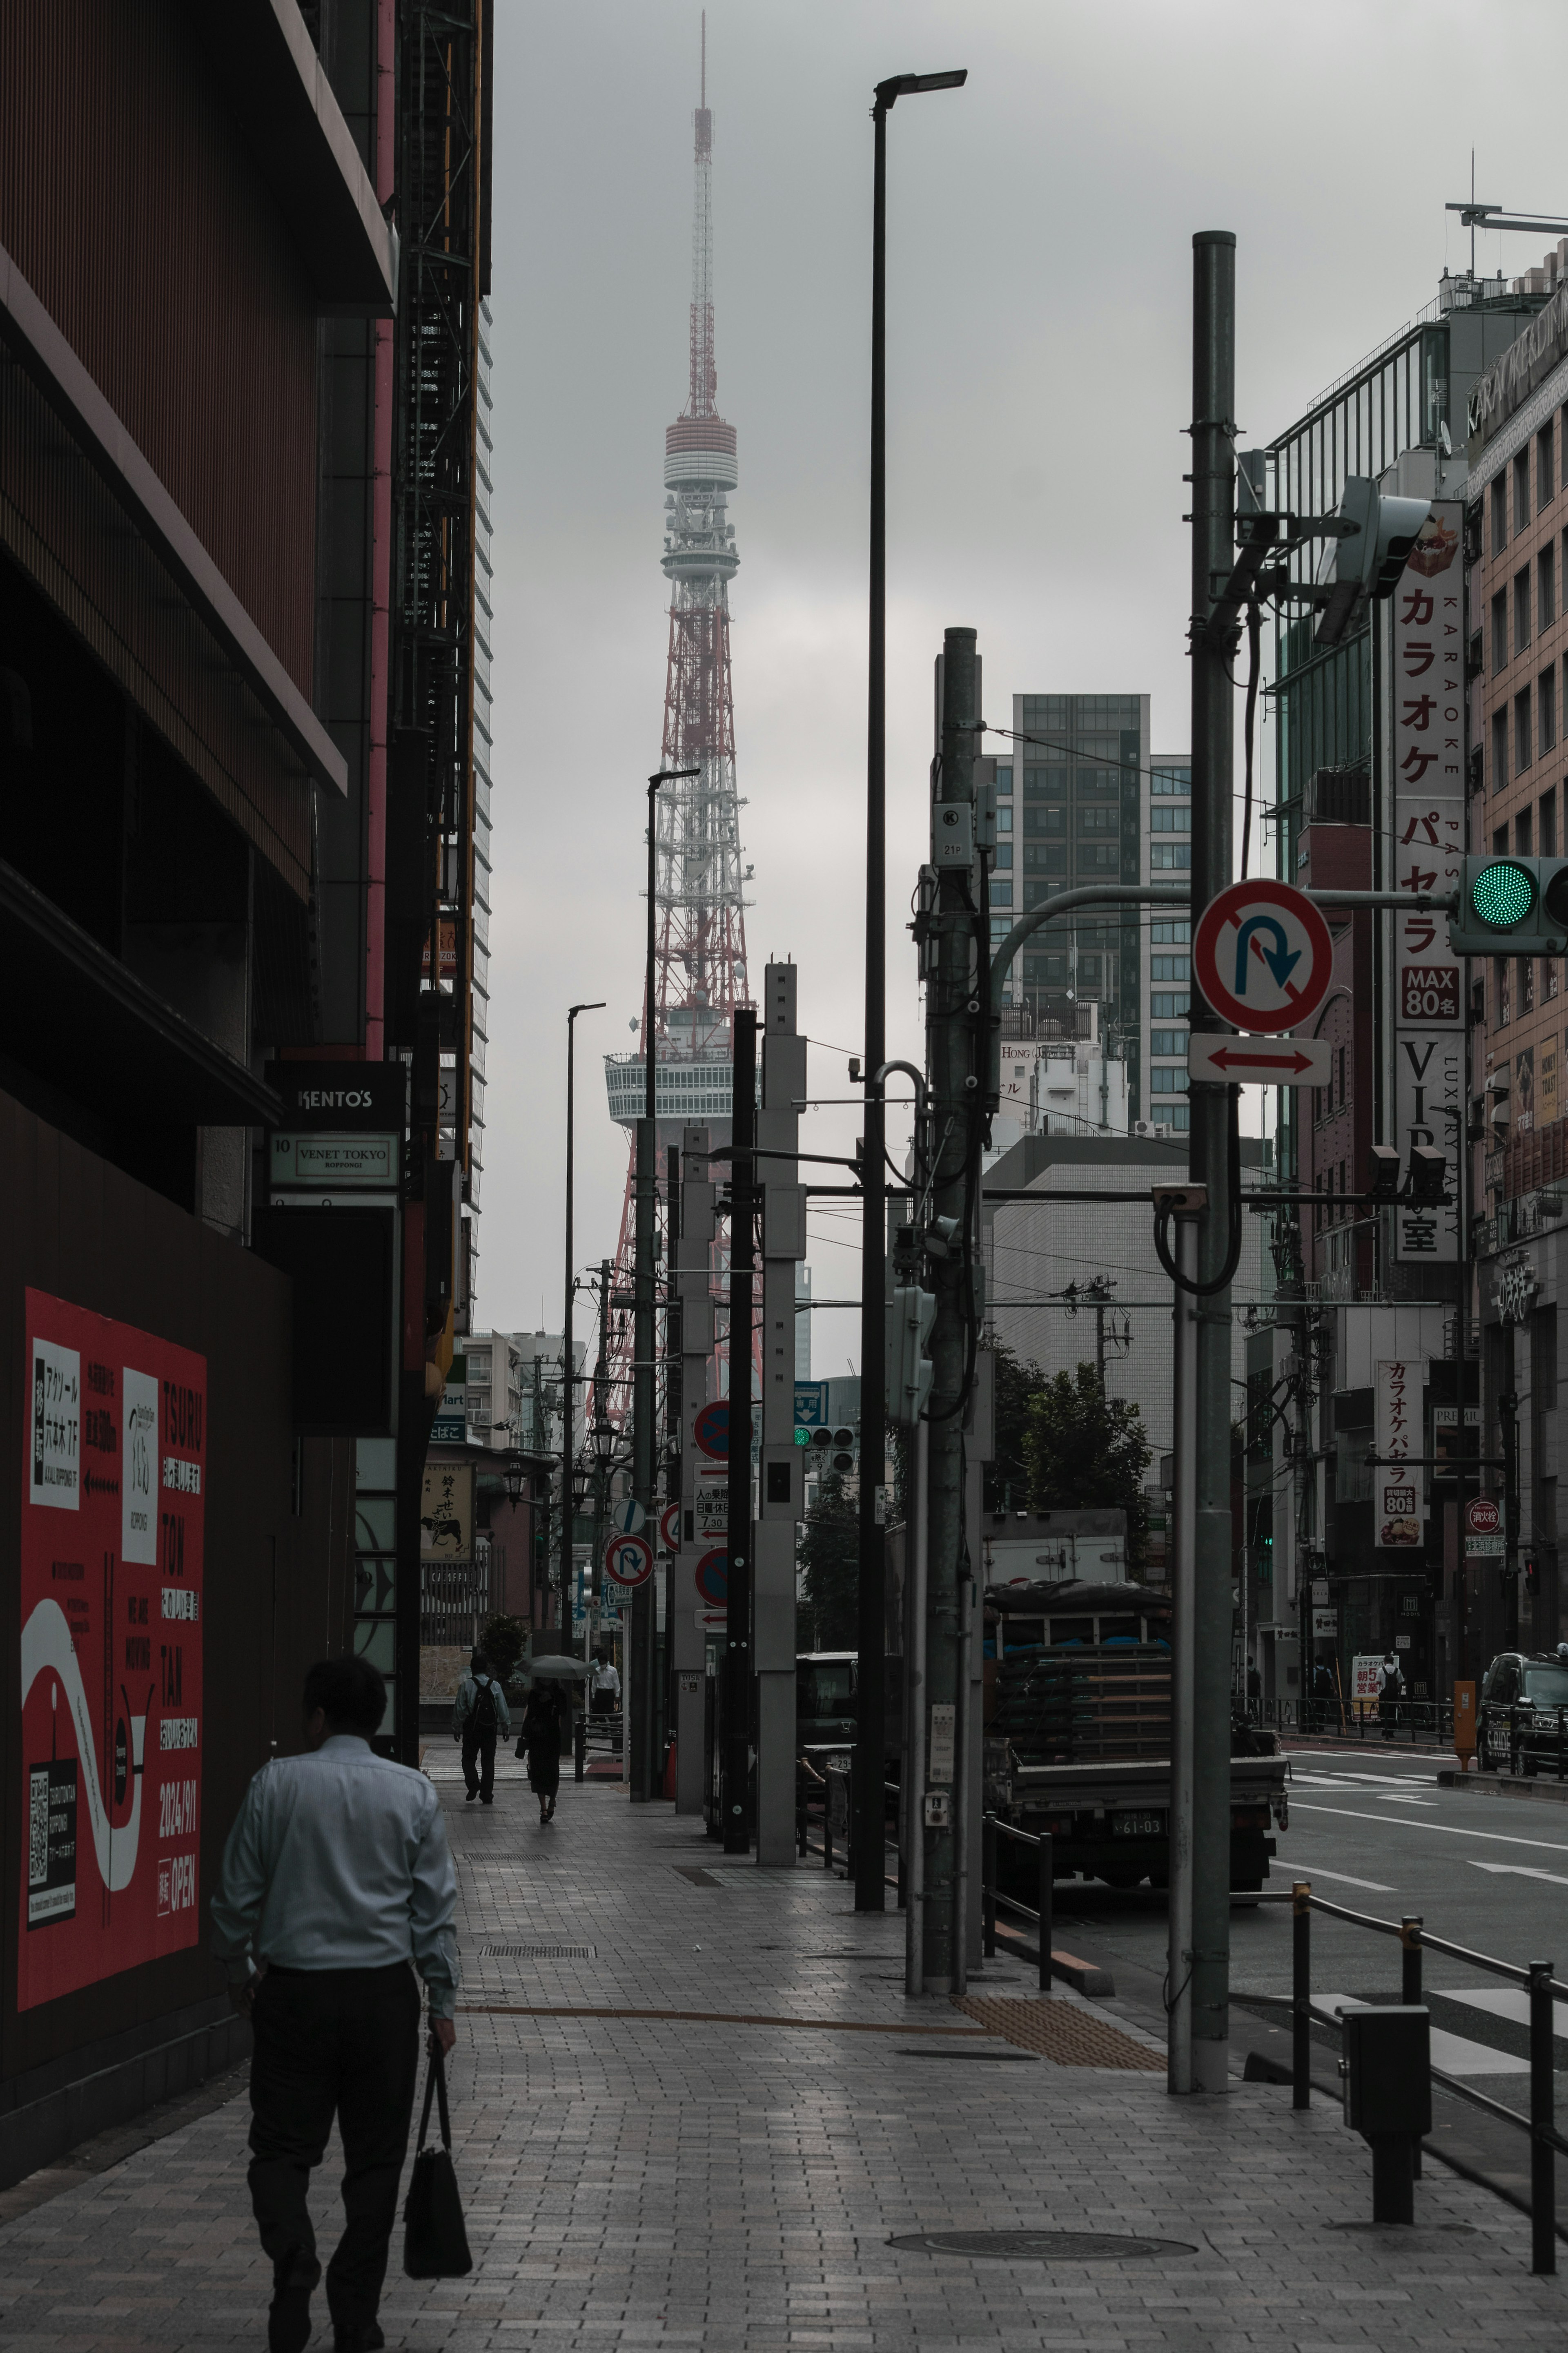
988	1885
1542	2157
1301	1994
1562	1753
827	1833
800	1825
1410	1994
580	1749
1047	1890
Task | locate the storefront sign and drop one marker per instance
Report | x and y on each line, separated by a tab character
1426	762
447	1513
113	1479
1396	1514
1325	1625
333	1162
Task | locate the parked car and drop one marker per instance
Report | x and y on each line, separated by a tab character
1524	1711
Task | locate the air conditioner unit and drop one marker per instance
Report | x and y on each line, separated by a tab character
1150	1128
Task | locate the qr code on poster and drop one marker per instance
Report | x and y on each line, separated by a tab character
39	1827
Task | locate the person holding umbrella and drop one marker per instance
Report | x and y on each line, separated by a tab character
539	1745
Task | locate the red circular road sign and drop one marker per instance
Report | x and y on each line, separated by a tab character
1482	1516
629	1560
670	1527
713	1577
711	1429
1262	955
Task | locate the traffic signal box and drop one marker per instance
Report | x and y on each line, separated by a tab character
1512	906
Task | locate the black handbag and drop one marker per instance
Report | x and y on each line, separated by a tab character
434	2242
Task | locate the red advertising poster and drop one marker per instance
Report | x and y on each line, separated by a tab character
114	1457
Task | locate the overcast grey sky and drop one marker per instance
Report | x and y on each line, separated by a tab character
1039	375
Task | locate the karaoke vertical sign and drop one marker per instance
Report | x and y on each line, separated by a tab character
114	1475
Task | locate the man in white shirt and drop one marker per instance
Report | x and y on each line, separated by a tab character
604	1684
336	1877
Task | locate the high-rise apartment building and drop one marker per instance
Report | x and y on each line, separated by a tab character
1082	799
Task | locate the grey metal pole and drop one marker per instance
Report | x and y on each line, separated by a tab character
915	1730
568	1390
1213	743
1184	1441
870	1642
737	1683
955	1045
637	1698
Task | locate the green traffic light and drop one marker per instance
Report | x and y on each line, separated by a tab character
1503	893
803	1438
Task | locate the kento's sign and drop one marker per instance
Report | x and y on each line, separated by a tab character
114	1444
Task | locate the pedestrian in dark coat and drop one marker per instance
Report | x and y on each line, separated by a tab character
539	1742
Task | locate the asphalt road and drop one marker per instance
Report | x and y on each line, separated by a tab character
1373	1830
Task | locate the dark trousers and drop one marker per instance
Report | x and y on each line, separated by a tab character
603	1702
480	1758
545	1768
343	2041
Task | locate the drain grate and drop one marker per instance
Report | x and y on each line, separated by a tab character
1002	2058
539	1952
1042	2246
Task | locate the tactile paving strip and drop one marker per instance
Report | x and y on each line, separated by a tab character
1060	2031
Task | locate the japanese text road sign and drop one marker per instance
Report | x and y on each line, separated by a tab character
1482	1516
628	1519
711	1429
1262	955
629	1560
1260	1061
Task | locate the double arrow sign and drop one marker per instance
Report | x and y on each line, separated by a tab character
1262	1062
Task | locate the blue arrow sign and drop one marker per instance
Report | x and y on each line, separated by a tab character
1281	958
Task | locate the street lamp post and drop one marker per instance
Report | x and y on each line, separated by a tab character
567	1396
640	1660
869	1764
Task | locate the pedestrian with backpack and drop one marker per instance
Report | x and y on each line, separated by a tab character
478	1714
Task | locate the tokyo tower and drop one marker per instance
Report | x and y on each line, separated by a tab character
700	930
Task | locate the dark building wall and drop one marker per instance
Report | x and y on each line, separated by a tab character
136	214
278	1593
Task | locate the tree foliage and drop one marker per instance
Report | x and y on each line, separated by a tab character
1006	1478
829	1556
503	1640
1086	1452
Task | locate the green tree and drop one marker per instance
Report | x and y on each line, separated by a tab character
829	1556
503	1640
1016	1382
1086	1452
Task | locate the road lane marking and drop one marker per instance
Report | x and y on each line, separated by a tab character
1450	1829
1343	1878
1518	1870
1504	2002
1455	2054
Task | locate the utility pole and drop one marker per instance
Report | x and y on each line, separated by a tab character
957	1047
737	1687
1213	1112
568	1385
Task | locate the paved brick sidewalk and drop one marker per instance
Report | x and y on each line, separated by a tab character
638	2181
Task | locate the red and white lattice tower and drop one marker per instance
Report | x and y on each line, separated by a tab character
700	926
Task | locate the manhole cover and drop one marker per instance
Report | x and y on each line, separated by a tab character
539	1952
1042	2246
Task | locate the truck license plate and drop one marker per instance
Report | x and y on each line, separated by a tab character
1136	1826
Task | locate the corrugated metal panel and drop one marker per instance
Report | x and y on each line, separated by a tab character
137	216
58	520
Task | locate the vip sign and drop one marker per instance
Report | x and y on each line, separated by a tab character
1395	1489
1429	1076
114	1469
1426	762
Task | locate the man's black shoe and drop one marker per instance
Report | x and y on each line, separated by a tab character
364	2339
288	2320
489	1801
473	1794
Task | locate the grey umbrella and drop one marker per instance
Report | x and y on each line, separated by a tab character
554	1667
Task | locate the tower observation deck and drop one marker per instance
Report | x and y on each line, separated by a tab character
699	934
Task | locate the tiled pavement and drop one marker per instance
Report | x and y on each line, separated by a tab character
637	2181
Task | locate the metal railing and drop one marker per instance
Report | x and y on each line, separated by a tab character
1536	1977
1355	1719
992	1830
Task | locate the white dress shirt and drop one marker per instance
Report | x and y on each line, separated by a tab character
338	1860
